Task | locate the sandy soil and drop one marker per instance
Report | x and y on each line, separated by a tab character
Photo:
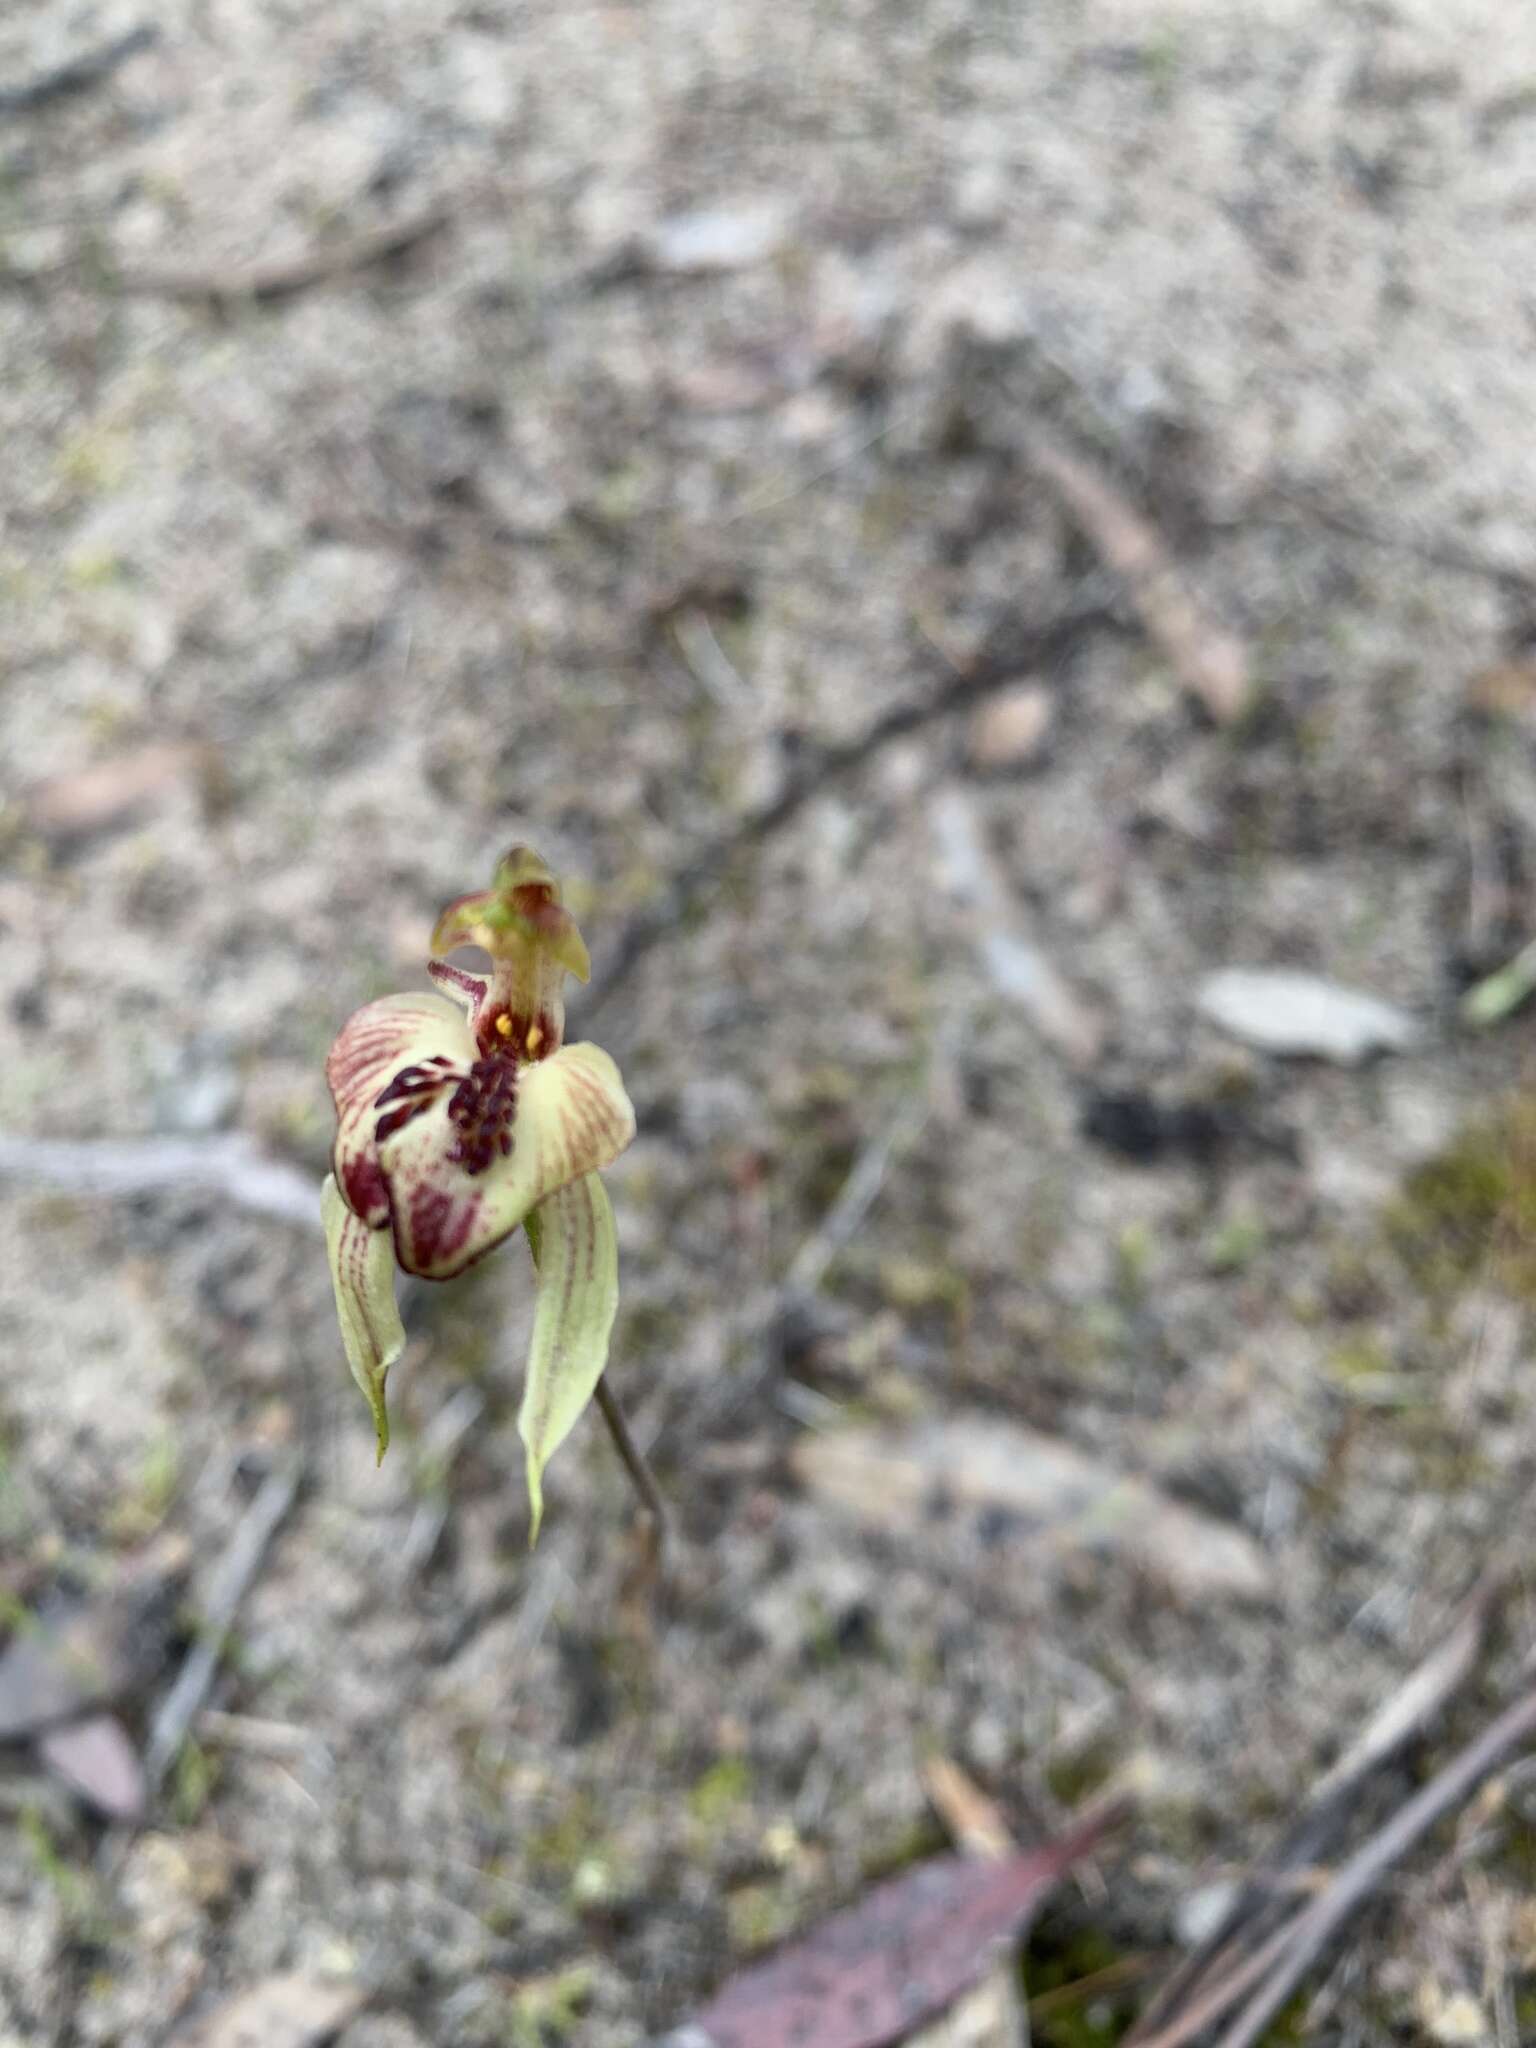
587	521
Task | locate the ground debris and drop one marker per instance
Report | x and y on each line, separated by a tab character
1016	965
81	1655
294	2010
111	793
230	1165
1210	661
991	2015
1258	1949
871	1974
1010	729
1030	1490
716	238
1500	994
77	74
1303	1016
231	1581
96	1759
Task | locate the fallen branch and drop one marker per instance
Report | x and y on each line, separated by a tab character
1263	1896
1311	1840
264	279
232	1580
281	277
76	74
230	1166
1312	1931
1015	964
1043	647
1275	1970
1211	662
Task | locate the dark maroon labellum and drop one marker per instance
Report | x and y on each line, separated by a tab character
482	1109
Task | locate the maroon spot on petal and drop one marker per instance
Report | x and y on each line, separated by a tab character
362	1187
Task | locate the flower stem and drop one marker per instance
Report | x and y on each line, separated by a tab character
635	1464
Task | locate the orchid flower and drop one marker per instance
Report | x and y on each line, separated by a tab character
461	1116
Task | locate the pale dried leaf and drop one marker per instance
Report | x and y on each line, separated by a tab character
95	1758
718	238
290	2011
989	2016
110	793
1031	1495
1302	1015
1508	690
972	1819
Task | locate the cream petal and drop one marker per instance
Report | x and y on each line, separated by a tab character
363	1275
576	1250
466	1171
375	1046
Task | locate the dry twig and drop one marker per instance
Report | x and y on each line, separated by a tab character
229	1166
1211	662
281	277
1040	648
77	74
1313	1929
232	1580
1014	961
264	279
1213	1980
1312	1838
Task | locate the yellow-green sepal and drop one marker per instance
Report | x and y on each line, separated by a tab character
363	1275
576	1252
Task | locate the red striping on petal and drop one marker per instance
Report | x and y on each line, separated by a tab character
471	985
439	1226
429	1209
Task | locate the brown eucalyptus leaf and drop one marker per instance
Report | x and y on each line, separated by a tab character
55	1666
872	1974
95	1758
77	1655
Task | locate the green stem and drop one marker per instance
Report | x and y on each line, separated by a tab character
635	1464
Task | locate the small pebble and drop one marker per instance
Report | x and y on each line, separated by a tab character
1011	728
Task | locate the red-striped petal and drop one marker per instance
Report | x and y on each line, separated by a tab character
466	1171
376	1045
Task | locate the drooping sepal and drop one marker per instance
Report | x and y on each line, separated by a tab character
576	1252
363	1275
